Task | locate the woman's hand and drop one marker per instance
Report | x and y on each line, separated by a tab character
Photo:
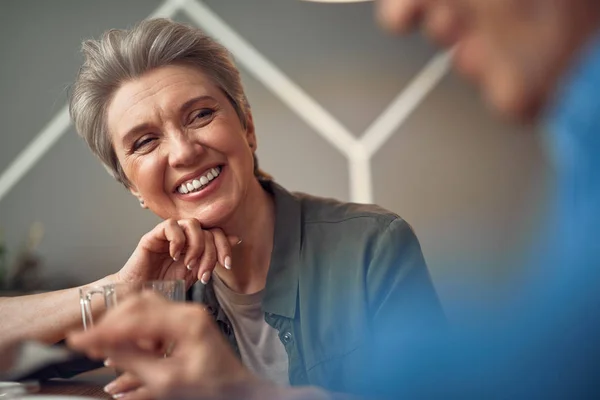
178	249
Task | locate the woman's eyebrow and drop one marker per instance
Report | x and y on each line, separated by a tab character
133	132
193	101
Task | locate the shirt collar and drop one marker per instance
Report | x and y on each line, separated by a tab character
281	289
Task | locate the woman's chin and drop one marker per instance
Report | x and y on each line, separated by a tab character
216	215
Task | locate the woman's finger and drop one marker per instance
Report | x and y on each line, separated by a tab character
176	237
166	236
195	241
223	247
208	261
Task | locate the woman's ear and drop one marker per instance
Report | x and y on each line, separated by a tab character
139	197
250	133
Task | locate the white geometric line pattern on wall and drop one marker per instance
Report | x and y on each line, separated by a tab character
34	151
405	103
271	77
57	127
358	152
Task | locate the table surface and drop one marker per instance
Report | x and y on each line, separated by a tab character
89	384
72	388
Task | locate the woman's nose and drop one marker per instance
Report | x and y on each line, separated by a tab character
183	150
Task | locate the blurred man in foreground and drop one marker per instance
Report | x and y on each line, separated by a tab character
534	60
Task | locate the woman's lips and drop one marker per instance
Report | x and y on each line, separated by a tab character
200	182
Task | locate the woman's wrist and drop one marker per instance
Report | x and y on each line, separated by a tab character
107	280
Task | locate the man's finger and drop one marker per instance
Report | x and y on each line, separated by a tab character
124	383
399	16
147	316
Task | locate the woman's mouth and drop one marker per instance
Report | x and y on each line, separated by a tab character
199	183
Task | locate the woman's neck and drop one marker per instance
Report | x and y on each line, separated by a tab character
254	224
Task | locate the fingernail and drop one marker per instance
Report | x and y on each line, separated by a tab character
110	387
176	256
239	242
190	266
205	277
118	395
108	362
227	262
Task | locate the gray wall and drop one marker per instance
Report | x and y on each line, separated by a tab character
466	182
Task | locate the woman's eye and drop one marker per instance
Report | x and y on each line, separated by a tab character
203	114
142	143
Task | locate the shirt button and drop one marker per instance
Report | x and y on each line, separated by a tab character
286	338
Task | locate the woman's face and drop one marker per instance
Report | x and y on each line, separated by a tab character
182	145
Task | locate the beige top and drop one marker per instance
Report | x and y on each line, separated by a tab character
261	350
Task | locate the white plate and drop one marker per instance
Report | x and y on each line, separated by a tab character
28	386
9	384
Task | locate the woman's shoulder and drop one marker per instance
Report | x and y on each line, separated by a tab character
332	216
322	210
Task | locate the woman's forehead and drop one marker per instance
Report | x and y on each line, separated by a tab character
166	83
164	89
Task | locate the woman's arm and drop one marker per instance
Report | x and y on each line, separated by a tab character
407	317
401	294
159	255
45	317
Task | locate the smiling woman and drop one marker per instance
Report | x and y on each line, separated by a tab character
174	125
299	283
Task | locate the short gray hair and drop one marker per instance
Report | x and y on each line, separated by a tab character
122	55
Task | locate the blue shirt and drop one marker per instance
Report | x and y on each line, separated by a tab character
546	341
573	135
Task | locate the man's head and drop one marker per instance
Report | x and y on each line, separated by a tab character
514	50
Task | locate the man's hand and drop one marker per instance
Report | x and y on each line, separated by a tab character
399	16
441	20
201	364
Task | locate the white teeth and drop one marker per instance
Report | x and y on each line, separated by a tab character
197	184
